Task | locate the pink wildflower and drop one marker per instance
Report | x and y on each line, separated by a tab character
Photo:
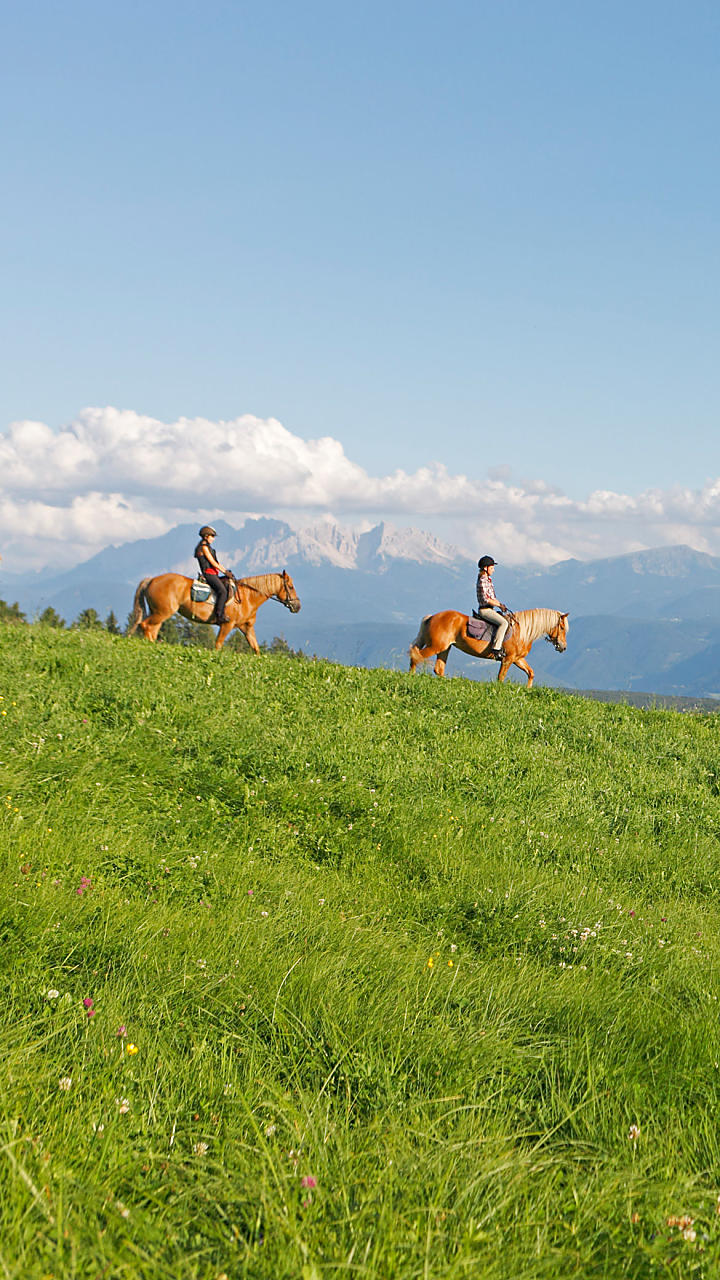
121	1031
88	1002
308	1181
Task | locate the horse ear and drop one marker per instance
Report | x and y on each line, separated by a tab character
564	615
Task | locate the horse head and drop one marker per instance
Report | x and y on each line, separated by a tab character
287	594
558	635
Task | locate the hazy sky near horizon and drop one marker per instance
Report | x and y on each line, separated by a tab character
451	265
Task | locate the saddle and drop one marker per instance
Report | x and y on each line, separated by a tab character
479	629
201	591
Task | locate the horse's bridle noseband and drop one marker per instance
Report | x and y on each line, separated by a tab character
555	640
288	602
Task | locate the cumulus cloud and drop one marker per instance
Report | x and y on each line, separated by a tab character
113	475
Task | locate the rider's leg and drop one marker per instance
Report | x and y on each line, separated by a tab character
496	620
219	586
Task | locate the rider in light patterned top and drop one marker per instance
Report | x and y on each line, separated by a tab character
489	604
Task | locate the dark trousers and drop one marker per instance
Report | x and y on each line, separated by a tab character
220	588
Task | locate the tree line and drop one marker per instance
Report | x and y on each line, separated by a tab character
175	630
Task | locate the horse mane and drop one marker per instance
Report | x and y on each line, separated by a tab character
532	623
264	583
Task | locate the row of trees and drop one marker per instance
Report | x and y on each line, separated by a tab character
88	620
176	630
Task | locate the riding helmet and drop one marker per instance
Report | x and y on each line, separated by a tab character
483	563
207	531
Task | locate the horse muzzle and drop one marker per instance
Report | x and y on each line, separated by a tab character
293	605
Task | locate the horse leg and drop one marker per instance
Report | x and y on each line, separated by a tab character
440	661
249	633
223	633
152	625
505	666
421	655
525	666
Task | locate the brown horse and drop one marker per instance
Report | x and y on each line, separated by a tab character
169	593
439	631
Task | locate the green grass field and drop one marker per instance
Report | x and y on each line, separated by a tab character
389	977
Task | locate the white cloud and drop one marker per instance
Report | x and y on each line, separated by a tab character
115	475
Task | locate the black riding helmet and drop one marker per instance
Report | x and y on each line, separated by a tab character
207	531
485	562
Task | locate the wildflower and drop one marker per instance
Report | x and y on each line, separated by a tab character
309	1182
634	1133
430	963
88	1002
200	1149
65	1083
121	1031
131	1048
202	964
98	1128
52	994
270	1130
122	1105
263	913
689	1233
250	893
91	1013
453	946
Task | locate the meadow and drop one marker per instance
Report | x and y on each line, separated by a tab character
312	971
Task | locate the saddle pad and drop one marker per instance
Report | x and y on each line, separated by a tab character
200	591
479	629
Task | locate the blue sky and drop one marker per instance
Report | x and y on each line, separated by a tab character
477	235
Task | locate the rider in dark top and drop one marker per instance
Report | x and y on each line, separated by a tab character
211	569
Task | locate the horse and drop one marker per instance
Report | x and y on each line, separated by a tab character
440	631
169	593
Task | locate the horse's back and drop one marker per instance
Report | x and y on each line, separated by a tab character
441	627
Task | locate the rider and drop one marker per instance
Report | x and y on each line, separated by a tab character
489	605
211	569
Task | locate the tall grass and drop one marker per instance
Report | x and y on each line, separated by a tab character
422	977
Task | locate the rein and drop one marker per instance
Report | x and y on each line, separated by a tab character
242	582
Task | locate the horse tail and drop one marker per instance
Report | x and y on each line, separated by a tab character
421	640
139	604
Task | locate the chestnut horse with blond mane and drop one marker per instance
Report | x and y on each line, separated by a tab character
169	593
440	631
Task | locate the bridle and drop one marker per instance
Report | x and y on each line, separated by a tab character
554	640
287	603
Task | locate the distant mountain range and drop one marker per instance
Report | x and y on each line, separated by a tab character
646	621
